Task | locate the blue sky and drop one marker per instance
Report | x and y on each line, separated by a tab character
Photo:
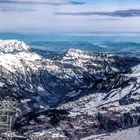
69	16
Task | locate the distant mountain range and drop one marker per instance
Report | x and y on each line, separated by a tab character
99	92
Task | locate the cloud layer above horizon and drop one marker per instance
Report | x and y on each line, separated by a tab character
120	13
69	15
47	2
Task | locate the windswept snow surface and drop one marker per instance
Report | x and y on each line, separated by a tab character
129	134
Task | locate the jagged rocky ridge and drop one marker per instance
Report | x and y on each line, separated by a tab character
101	92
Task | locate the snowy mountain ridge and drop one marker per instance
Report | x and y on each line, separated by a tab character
101	91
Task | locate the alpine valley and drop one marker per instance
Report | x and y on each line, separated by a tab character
70	96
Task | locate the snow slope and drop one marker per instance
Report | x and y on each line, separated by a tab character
130	134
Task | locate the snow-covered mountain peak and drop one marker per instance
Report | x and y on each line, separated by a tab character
72	50
76	54
12	46
14	55
79	55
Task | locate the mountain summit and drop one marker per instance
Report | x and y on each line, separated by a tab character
12	46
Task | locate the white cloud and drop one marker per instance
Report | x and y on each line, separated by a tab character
42	17
53	1
39	1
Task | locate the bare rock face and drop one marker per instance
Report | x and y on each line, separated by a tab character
100	92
